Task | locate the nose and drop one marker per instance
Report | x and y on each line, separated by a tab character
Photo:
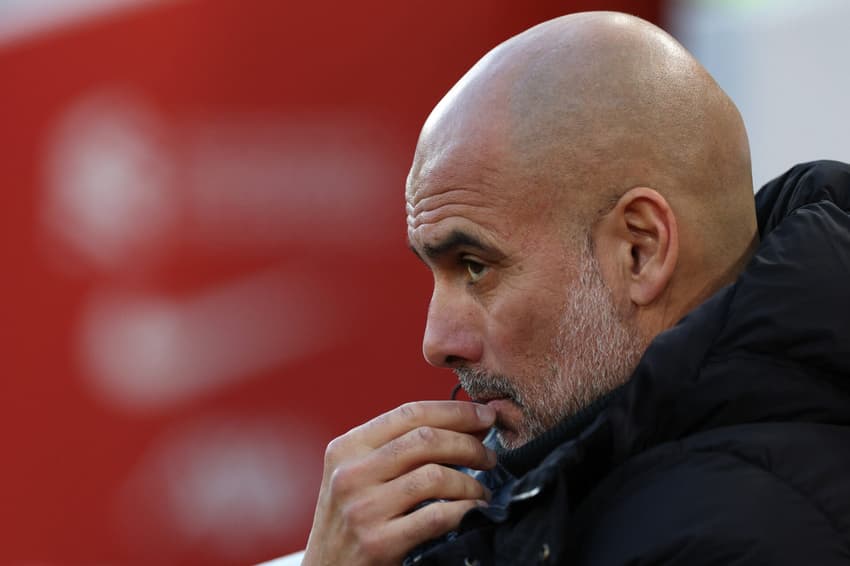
452	334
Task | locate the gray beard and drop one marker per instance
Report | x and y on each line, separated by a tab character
594	352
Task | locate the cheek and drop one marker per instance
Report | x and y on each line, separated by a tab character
522	329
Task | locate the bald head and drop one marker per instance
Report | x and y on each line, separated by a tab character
583	108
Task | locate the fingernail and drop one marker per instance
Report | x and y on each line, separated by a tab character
492	456
481	503
486	414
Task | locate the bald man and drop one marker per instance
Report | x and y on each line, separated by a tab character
583	188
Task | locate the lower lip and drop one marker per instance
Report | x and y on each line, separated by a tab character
500	404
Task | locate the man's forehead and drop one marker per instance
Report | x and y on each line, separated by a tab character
463	154
449	170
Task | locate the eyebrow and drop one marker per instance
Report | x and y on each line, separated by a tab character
454	240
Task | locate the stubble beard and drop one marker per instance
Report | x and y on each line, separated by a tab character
594	352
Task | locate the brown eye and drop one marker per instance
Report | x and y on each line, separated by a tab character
474	269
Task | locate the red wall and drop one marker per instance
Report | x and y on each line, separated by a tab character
205	274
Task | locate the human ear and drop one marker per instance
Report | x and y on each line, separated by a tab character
640	239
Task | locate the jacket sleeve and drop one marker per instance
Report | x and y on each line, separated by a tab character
705	508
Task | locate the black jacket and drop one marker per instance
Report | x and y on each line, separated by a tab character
730	444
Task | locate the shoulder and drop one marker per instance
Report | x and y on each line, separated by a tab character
708	503
802	184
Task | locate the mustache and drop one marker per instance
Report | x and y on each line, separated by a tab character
480	384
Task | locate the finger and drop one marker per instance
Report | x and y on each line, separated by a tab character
425	445
460	416
378	503
432	481
426	523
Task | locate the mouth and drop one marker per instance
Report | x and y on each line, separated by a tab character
489	399
486	397
497	402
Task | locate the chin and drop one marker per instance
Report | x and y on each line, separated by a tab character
510	439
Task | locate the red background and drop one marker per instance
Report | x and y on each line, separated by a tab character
92	476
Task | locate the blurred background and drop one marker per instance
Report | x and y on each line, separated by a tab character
205	273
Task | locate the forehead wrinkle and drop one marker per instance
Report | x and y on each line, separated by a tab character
468	203
458	195
450	210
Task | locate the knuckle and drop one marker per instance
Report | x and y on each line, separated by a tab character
342	481
435	474
426	435
334	451
410	411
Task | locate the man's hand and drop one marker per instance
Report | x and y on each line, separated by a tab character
376	473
